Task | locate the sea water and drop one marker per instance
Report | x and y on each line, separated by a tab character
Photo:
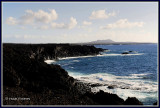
131	75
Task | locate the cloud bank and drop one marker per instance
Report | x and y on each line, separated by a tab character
101	14
72	24
123	23
31	17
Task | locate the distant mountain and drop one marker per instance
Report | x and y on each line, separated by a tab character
102	41
111	42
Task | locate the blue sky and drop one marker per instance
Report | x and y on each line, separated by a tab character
69	22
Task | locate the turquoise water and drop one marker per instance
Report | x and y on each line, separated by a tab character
133	75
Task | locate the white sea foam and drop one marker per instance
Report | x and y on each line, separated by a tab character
49	61
132	54
123	85
72	67
142	74
65	64
110	55
99	55
75	60
121	54
76	57
135	76
118	81
106	50
125	93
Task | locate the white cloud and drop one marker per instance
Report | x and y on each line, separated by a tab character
42	16
37	19
72	24
101	14
28	18
123	23
87	23
11	21
39	16
31	17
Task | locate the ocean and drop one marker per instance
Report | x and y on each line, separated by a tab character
131	75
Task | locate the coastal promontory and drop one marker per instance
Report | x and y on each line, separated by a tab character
28	80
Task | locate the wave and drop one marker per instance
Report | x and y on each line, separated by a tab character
136	76
123	82
132	54
122	85
64	58
106	50
130	51
125	93
71	67
142	74
121	54
99	55
49	61
75	60
110	55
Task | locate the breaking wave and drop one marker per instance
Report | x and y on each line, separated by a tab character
124	86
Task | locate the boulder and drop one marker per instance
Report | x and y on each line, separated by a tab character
155	103
96	85
125	53
132	101
111	87
104	98
130	51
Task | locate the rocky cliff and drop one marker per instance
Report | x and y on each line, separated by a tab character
28	80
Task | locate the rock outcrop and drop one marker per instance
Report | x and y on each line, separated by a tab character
132	101
103	98
26	75
155	103
125	53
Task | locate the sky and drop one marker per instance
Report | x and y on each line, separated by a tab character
72	22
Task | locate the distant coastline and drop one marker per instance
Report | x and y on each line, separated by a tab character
111	42
118	43
87	43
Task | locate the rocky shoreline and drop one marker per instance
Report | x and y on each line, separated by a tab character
28	80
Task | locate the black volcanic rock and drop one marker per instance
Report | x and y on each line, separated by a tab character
132	101
51	51
125	53
130	51
25	74
24	64
155	103
103	98
96	85
111	87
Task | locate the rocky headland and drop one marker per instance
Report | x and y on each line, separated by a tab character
28	80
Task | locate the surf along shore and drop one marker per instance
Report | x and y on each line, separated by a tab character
28	80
